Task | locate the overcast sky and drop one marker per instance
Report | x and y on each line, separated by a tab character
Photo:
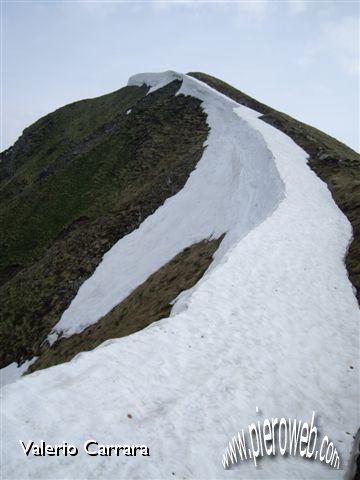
301	57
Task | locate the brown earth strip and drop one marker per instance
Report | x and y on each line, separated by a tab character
148	303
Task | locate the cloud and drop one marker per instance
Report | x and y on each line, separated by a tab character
352	66
297	7
91	8
164	5
252	9
338	42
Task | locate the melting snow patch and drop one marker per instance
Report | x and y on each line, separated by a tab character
13	372
234	187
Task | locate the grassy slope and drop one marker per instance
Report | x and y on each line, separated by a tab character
49	170
335	163
149	302
77	181
121	167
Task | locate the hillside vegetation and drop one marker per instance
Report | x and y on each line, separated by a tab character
77	181
84	176
149	302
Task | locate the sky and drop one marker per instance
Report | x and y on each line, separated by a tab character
300	57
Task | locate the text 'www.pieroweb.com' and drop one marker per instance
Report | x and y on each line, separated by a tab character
284	436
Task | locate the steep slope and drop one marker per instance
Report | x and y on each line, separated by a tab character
272	324
168	231
74	183
210	208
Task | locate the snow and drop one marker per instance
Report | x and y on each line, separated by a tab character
154	80
13	371
234	187
274	324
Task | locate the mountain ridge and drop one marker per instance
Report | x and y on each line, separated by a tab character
257	335
335	163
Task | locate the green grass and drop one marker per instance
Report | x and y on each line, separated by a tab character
55	165
100	184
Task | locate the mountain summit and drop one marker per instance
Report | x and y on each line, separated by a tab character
229	229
